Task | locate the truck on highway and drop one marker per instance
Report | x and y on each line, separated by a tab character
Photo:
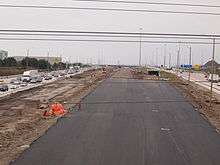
215	78
28	75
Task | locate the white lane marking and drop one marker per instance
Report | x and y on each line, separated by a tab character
155	110
165	129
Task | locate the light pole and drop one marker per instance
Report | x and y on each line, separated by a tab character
27	58
157	57
212	71
165	52
169	60
140	47
178	59
190	62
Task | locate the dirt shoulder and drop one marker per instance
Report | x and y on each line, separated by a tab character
21	115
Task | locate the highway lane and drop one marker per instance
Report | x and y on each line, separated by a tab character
129	122
34	85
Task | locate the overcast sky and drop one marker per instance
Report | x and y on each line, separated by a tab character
112	53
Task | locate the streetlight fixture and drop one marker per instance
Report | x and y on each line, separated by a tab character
140	47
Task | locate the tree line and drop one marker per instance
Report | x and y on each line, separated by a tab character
28	62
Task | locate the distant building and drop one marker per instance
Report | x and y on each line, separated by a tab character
208	66
3	54
51	60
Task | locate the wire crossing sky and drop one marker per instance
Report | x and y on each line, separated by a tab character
153	3
110	31
110	9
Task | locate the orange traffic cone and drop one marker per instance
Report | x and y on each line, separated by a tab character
57	109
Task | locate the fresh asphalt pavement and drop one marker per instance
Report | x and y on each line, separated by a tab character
129	122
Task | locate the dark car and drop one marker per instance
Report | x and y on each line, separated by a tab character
3	88
48	77
33	80
39	79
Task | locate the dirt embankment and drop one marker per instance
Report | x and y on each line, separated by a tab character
21	115
8	71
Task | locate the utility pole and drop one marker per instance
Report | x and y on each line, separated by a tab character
164	61
169	60
48	53
190	62
156	56
178	60
212	71
27	55
165	53
140	47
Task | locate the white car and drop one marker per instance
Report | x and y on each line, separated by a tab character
23	84
214	78
14	86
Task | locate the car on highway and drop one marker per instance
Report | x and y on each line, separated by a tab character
3	87
12	81
23	84
28	75
15	82
48	77
2	80
39	79
33	80
55	74
14	86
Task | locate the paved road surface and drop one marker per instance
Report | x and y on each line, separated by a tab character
129	122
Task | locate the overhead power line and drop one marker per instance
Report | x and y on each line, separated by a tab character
111	9
103	36
96	40
152	3
109	32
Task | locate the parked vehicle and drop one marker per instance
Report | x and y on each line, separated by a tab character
215	77
3	88
28	75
